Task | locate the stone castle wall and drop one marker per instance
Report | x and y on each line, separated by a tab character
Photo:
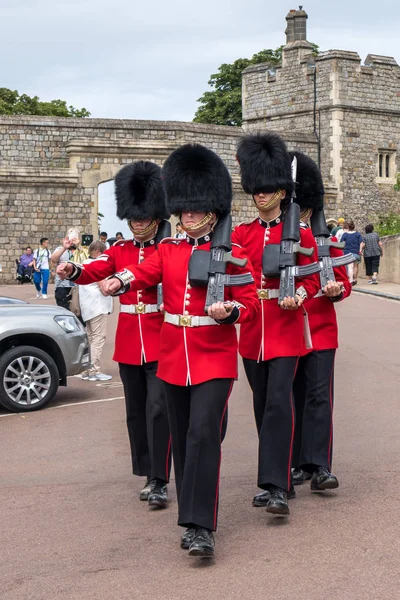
357	115
50	169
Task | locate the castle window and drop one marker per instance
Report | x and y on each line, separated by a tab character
386	166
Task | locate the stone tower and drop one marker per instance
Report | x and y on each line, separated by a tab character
345	115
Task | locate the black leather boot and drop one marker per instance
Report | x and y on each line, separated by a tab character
264	497
144	494
203	543
158	497
278	504
323	480
299	476
187	538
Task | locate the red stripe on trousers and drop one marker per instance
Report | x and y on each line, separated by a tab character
220	458
167	461
331	432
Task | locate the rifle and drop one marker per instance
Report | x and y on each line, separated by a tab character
289	248
163	231
209	268
324	244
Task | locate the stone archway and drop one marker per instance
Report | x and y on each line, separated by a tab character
50	170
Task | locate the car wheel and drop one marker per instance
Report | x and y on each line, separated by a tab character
28	379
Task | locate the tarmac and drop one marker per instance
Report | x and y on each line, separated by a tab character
73	527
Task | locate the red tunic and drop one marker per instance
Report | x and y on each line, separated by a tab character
322	314
275	332
192	355
137	338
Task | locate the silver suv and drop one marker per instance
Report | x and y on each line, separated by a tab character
40	346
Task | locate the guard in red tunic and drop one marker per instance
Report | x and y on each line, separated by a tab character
313	385
141	200
198	352
272	343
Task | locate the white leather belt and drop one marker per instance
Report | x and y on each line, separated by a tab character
188	320
267	294
139	309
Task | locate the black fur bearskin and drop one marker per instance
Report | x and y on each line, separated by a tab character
139	192
196	180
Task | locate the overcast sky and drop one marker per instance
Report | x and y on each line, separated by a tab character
152	60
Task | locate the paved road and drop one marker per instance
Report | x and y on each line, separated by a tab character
73	528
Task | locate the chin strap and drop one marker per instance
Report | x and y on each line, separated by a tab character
278	195
305	215
198	225
152	225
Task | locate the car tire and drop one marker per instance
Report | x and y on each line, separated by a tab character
29	379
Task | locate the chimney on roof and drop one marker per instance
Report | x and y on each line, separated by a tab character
296	29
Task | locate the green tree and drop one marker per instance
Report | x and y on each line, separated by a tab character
397	184
12	103
223	104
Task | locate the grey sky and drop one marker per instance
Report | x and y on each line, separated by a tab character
152	60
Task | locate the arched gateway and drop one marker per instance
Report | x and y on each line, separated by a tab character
50	170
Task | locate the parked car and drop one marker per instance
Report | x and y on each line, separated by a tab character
40	346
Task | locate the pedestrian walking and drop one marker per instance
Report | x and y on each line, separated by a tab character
372	250
271	345
353	240
95	307
198	353
140	199
338	230
41	275
314	381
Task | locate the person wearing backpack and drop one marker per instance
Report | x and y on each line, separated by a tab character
41	266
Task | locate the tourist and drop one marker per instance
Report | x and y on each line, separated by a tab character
353	240
103	238
372	249
25	265
94	309
41	266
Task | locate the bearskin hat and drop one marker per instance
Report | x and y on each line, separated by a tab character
264	164
139	192
309	186
196	179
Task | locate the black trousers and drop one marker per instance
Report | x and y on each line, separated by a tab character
271	382
63	296
147	420
196	416
313	395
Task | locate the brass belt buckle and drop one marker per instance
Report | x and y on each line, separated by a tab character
185	320
140	308
263	294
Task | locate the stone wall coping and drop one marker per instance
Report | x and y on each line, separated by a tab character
260	67
78	123
390	238
338	54
37	176
380	60
296	45
117	147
